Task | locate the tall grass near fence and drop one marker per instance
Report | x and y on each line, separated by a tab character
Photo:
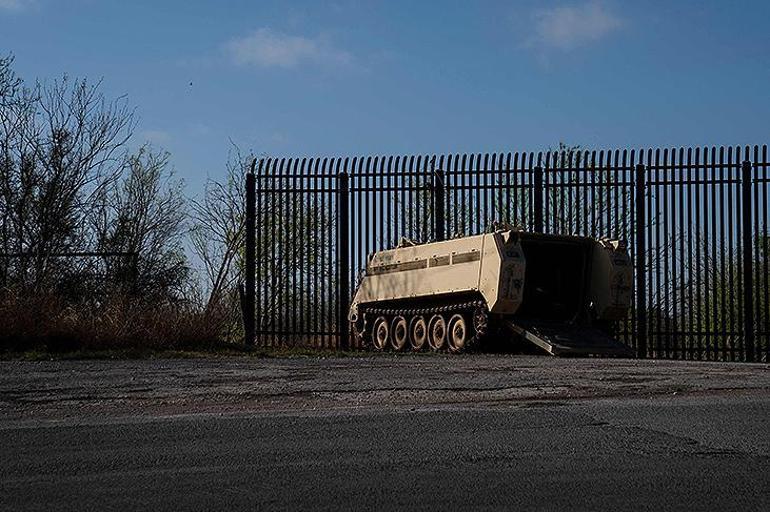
51	323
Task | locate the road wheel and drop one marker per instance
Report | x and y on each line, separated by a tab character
418	333
457	335
398	333
437	332
380	333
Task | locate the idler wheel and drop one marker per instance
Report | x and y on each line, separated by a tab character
457	335
418	333
437	332
358	333
380	333
398	333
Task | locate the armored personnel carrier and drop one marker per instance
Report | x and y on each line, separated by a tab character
557	292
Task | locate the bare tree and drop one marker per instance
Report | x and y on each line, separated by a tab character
60	144
217	235
144	213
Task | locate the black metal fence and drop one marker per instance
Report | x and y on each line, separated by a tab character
696	221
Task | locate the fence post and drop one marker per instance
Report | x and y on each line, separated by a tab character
537	202
439	229
640	250
251	258
748	262
343	255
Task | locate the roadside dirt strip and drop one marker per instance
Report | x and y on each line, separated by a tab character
100	390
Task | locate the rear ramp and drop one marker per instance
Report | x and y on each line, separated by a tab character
566	340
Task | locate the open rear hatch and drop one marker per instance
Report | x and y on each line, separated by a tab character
554	314
569	340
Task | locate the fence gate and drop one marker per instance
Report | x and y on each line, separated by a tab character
695	219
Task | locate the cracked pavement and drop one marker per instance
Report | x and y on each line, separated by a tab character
402	432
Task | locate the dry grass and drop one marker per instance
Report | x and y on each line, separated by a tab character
48	323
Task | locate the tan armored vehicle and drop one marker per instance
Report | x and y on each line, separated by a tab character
557	292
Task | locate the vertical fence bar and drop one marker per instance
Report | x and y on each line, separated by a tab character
748	267
650	258
477	187
401	195
462	206
300	261
293	278
358	221
640	249
456	192
757	275
322	218
537	201
765	184
722	253
328	191
343	255
681	337
314	227
663	341
251	258
548	171
699	295
660	223
271	292
260	253
411	186
390	198
688	317
485	174
731	250
281	246
713	265
439	198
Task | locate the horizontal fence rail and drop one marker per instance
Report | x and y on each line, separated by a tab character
695	220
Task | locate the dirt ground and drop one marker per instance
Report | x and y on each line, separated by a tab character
58	390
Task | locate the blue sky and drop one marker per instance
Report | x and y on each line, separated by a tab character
348	78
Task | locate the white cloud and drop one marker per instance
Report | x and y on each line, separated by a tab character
567	27
14	5
269	48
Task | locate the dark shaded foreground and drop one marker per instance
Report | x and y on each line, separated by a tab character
701	447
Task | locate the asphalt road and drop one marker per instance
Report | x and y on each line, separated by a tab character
384	433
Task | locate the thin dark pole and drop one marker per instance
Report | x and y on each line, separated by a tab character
700	296
251	257
537	201
641	283
343	254
294	238
477	187
438	195
712	266
748	269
